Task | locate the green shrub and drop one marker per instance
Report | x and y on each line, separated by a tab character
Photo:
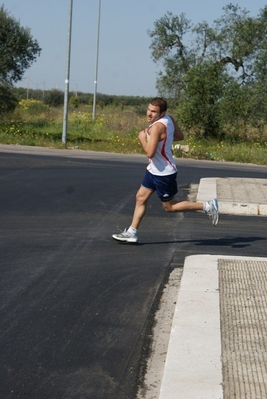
33	106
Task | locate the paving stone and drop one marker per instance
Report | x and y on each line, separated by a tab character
243	312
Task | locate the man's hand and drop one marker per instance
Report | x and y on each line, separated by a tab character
149	138
142	135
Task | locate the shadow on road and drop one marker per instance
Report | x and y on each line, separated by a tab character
234	242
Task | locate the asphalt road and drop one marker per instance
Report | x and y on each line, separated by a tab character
76	306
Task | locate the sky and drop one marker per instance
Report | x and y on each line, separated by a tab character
125	65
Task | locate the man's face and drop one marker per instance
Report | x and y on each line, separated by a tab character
153	113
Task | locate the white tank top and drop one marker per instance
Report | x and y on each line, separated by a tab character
162	164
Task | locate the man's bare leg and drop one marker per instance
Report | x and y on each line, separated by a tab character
130	235
209	207
182	206
142	197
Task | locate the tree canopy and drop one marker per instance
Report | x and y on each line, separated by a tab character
205	67
18	50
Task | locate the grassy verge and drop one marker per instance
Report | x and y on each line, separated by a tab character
115	130
226	150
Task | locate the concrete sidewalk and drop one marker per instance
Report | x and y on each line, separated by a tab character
236	196
218	341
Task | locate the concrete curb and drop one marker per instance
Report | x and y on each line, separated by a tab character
193	368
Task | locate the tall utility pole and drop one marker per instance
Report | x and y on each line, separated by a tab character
66	94
28	86
96	63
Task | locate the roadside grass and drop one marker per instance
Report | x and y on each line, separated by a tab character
226	150
116	130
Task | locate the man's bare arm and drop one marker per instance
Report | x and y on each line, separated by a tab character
150	141
178	134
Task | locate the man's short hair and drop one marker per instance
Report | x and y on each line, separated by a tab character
161	103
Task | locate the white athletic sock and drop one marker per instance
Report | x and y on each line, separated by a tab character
132	230
206	206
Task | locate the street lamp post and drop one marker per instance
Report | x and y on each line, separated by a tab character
66	94
96	64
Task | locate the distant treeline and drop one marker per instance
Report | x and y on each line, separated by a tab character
55	98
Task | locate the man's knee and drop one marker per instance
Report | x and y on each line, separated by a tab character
167	206
140	198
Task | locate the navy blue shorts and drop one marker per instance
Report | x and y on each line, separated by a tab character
165	186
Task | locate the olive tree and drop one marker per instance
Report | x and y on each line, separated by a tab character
204	67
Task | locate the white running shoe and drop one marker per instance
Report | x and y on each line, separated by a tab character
125	236
213	213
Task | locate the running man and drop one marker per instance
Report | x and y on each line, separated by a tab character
161	171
